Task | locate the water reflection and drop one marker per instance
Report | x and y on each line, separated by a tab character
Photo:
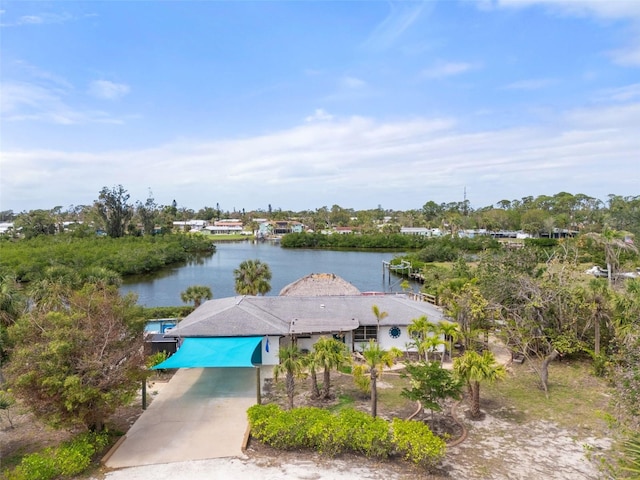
362	269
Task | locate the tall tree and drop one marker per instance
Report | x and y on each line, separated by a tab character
113	209
36	222
195	294
77	365
473	368
147	213
597	300
469	309
291	365
252	278
451	331
375	358
330	353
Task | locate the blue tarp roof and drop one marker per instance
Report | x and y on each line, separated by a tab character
215	352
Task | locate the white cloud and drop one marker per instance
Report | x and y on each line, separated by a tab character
108	90
319	115
401	17
620	94
44	18
446	69
611	9
356	162
25	101
628	56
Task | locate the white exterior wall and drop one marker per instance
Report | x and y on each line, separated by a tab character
271	357
386	341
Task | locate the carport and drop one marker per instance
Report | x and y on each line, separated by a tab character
207	352
201	412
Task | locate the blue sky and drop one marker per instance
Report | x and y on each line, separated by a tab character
302	104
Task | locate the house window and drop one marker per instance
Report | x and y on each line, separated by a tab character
365	333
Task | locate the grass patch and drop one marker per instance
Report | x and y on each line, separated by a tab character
390	398
576	397
344	401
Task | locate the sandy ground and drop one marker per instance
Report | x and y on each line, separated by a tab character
495	450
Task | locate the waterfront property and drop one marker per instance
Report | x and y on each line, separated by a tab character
249	330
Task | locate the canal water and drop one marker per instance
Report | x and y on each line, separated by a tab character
363	269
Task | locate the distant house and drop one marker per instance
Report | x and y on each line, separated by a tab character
190	225
5	227
279	227
421	231
222	229
262	324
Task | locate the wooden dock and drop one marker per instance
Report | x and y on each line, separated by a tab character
405	269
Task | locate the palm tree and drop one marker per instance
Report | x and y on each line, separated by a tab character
430	344
627	308
379	316
291	365
311	363
613	242
102	276
252	278
425	335
473	368
12	306
375	357
598	298
12	302
330	353
52	291
195	294
450	330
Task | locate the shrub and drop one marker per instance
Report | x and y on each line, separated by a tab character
69	459
417	443
320	430
156	359
362	379
366	435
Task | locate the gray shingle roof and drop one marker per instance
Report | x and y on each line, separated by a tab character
245	316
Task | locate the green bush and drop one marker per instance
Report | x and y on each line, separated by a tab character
362	379
366	435
69	459
417	443
152	313
348	431
156	359
29	258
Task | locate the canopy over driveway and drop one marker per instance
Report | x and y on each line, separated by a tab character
201	413
215	352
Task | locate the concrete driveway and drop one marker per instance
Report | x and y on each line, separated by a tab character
200	414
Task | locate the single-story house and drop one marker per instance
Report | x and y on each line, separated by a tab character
249	330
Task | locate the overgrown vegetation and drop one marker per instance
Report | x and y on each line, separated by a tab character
78	359
130	255
64	461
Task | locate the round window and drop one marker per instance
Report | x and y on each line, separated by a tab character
394	332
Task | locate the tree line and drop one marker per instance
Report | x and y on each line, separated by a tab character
114	213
